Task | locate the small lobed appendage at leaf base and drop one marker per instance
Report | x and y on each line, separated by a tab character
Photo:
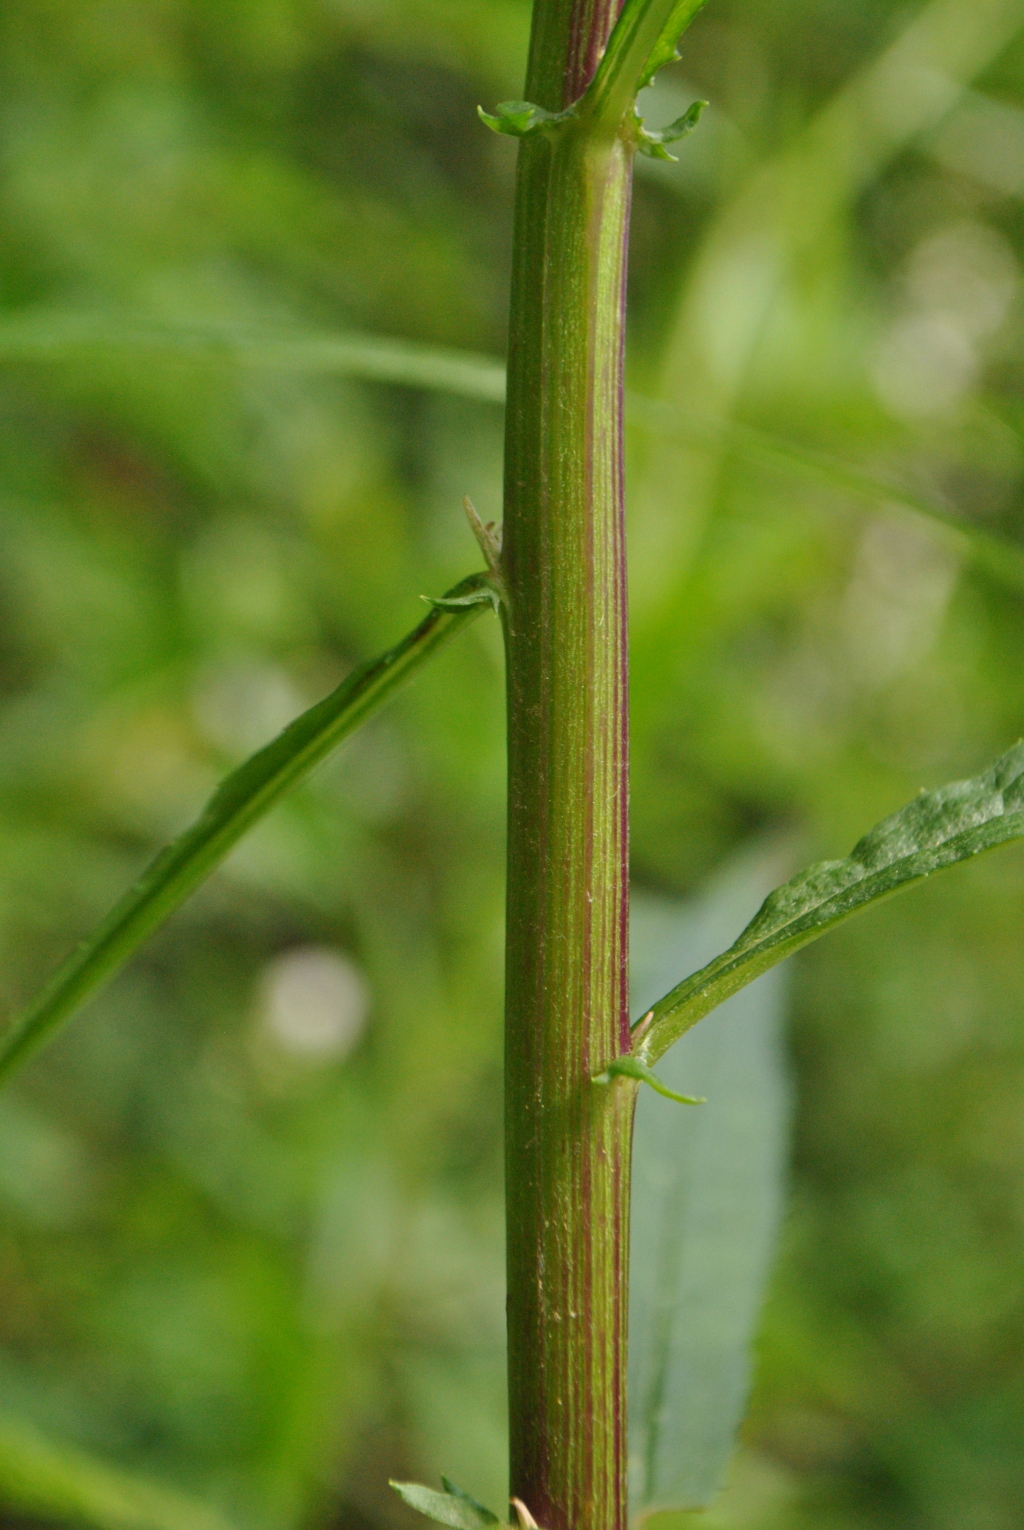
633	1067
651	141
518	119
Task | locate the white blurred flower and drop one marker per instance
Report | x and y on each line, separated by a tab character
959	284
313	1004
967	274
897	598
924	366
242	704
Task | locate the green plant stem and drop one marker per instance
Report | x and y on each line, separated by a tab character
567	1140
243	798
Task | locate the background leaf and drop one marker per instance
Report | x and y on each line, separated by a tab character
708	1193
63	334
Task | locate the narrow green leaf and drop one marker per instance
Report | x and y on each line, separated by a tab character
451	1507
708	1196
643	40
632	1067
50	334
61	1482
683	12
937	830
239	802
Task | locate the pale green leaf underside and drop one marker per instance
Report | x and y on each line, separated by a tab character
937	830
61	1482
452	1507
456	1492
50	335
239	802
707	1199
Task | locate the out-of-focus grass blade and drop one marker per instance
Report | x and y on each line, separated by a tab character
60	1482
708	1188
240	800
995	554
937	830
50	334
47	335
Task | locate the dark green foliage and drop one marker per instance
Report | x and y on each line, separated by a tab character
52	1481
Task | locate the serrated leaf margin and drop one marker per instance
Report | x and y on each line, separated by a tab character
937	830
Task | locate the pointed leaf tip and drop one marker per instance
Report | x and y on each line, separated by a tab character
453	1507
485	594
456	1492
684	124
488	537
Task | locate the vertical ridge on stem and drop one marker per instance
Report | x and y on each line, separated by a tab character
567	1140
566	42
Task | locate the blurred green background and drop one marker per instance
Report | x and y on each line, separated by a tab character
250	1203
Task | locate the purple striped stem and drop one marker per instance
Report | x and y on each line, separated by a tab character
567	1140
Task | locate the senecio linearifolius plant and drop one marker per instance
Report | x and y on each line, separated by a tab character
556	575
